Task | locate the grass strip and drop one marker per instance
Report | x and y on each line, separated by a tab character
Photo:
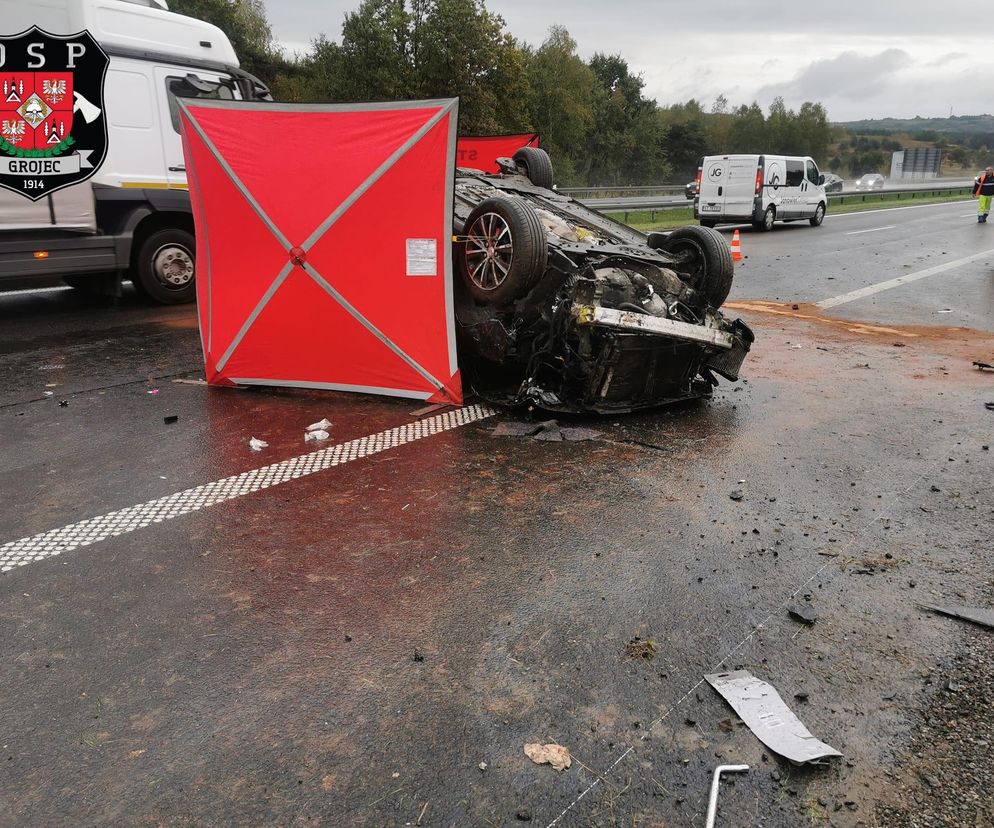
646	220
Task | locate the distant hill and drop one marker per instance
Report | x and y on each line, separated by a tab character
958	124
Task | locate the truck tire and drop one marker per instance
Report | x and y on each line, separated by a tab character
708	267
164	270
766	223
536	164
503	251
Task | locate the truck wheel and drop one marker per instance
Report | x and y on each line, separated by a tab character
766	224
818	217
704	261
536	164
165	268
503	251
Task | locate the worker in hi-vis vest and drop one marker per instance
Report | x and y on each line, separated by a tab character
983	189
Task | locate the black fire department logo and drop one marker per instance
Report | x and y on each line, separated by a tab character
53	131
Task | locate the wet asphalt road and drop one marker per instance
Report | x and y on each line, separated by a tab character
346	648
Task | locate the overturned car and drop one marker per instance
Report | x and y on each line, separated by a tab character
561	307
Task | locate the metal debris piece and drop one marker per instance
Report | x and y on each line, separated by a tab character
983	366
715	781
802	613
169	418
759	705
736	494
978	615
549	430
555	755
257	445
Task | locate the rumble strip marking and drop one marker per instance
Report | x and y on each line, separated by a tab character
93	530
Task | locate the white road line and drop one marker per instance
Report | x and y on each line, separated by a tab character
54	289
96	529
870	290
871	230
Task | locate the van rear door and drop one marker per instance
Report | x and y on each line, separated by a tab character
711	198
740	186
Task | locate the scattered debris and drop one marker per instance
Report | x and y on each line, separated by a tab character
153	391
759	705
555	755
806	615
978	615
523	815
549	430
315	435
637	648
726	726
736	494
257	445
170	418
989	406
63	403
48	393
482	766
190	381
715	781
802	696
983	366
418	656
322	425
429	409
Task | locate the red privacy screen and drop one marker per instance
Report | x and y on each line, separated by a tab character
323	244
482	151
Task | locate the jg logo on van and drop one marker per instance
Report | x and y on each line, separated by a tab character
53	132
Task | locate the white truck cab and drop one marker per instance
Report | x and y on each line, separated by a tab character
761	189
132	219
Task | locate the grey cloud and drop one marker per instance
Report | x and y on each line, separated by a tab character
850	75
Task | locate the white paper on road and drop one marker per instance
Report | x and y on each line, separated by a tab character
759	705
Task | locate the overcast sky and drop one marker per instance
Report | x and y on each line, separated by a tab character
860	58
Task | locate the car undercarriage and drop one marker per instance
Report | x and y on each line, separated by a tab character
560	307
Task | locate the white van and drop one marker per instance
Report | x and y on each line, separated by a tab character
761	189
132	219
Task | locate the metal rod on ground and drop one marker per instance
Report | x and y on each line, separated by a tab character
713	800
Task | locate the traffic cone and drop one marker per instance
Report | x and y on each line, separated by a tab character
736	247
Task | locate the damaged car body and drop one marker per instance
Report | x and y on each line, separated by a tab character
560	307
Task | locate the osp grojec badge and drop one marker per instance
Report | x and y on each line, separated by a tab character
53	131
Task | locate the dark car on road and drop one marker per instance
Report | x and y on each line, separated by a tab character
560	307
870	181
690	190
833	183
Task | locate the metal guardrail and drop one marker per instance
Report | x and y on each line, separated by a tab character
632	204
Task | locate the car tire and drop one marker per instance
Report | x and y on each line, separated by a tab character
819	216
711	267
535	165
496	272
164	270
769	217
